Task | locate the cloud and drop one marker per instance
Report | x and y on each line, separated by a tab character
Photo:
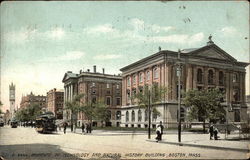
68	56
21	36
178	38
100	29
140	25
56	33
228	30
107	56
72	55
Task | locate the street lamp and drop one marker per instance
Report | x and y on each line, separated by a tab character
179	94
149	114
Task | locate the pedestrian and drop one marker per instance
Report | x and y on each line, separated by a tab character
161	126
65	124
83	127
216	133
71	127
158	133
87	128
211	131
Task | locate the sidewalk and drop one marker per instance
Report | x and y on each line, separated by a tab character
187	139
203	141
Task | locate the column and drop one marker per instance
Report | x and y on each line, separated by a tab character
189	77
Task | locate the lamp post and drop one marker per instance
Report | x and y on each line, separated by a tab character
149	115
179	95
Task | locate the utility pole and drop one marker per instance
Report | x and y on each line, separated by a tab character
149	115
179	95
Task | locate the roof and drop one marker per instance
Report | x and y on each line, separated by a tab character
188	50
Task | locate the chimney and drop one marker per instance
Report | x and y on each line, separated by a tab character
103	71
94	68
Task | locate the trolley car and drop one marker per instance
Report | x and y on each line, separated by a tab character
45	123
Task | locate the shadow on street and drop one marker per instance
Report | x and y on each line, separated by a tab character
36	152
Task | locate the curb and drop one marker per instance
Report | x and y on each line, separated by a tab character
203	146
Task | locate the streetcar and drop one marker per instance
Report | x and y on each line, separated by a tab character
45	123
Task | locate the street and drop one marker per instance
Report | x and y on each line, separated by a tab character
26	143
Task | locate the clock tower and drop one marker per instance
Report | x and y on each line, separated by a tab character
12	99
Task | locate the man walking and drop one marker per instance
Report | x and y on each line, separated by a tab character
83	127
211	131
65	124
161	126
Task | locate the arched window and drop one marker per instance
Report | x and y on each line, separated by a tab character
146	115
156	74
148	75
199	76
134	79
221	78
133	116
139	116
128	81
118	115
210	76
127	116
140	78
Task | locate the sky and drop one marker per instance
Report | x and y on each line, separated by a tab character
41	41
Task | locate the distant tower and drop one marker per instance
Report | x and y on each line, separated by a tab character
12	99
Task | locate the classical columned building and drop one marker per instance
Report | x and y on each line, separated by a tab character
202	68
94	86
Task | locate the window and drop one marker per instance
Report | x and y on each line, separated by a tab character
156	74
235	78
140	78
118	115
128	81
127	116
148	75
221	78
139	116
133	116
236	95
210	76
108	100
109	115
117	86
140	89
134	91
199	76
128	93
108	85
118	101
237	115
93	91
134	79
154	116
93	84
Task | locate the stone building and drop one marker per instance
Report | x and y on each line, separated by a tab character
32	99
55	102
12	96
202	68
95	86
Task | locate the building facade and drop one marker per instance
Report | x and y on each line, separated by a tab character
32	99
95	86
12	91
55	102
202	68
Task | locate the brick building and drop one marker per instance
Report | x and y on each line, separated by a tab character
202	68
32	99
95	86
55	102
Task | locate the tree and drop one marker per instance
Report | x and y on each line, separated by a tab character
147	98
204	104
29	113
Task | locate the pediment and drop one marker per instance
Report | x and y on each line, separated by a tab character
214	52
